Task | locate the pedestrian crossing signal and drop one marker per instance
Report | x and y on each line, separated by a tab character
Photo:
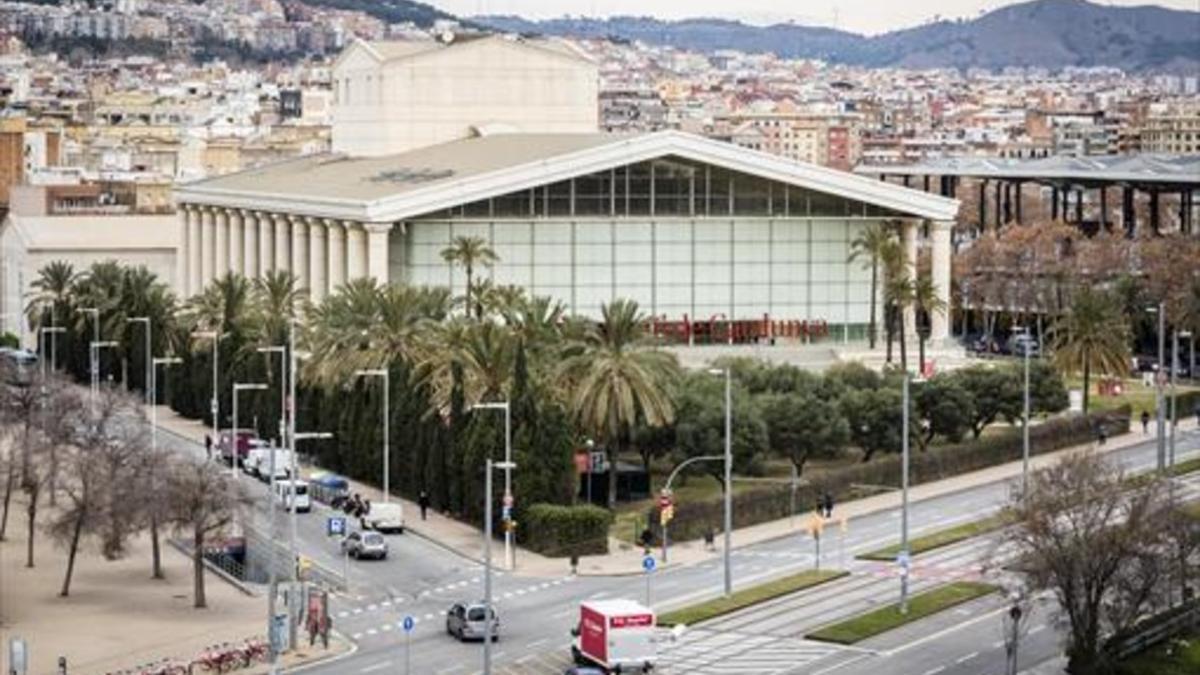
666	514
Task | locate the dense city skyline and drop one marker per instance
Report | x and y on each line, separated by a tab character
859	16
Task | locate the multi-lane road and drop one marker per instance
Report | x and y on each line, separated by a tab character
422	579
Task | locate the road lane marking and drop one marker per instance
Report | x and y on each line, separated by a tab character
535	644
378	666
1037	629
968	657
935	671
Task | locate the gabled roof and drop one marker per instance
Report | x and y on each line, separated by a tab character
396	187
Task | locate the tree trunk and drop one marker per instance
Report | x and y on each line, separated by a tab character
874	291
889	320
921	352
155	551
31	510
8	489
52	479
1087	374
198	569
71	551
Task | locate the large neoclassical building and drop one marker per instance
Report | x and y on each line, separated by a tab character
684	225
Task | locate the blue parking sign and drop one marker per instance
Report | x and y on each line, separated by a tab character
409	623
648	563
335	526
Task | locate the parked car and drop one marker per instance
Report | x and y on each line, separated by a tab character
283	465
254	461
464	620
18	366
360	545
287	490
384	517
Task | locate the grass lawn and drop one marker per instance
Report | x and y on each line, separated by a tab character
1175	657
888	618
749	596
940	538
1134	393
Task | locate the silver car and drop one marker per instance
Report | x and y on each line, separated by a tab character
465	621
365	545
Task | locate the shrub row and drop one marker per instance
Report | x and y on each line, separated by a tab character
560	531
692	519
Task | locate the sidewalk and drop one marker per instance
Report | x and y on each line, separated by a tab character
624	559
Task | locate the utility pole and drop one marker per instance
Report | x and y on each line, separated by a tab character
509	559
294	475
728	481
1159	386
144	320
1025	422
387	448
904	560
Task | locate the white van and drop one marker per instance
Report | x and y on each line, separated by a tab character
284	490
283	465
255	461
384	517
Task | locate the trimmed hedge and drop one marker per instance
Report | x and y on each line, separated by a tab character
561	531
692	519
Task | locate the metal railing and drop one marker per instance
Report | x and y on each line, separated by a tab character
1155	631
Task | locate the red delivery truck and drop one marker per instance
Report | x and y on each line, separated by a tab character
617	635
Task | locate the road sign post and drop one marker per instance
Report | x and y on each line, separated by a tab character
408	624
648	565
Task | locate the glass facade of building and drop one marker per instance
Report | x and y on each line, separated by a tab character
679	237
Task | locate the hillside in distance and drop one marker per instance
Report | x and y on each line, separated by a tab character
1045	33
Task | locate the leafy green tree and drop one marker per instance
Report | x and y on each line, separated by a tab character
50	303
870	247
995	392
927	302
612	379
1093	337
944	409
851	375
700	426
470	252
802	427
875	419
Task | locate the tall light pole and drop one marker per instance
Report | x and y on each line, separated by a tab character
387	448
1024	419
1160	392
94	365
235	437
728	373
144	320
487	560
509	558
294	357
294	605
1174	409
215	404
281	350
154	364
904	552
96	346
42	331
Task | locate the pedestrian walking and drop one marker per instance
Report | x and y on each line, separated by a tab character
423	502
1101	435
828	504
709	537
208	446
1145	421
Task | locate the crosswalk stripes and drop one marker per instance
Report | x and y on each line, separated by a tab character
708	652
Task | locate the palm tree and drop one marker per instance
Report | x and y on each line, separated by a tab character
50	300
612	380
895	274
927	302
1093	336
469	252
278	300
870	246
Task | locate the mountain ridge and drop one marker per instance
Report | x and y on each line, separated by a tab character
1041	33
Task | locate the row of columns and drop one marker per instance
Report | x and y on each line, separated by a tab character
323	253
939	258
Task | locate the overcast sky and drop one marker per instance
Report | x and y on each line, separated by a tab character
862	16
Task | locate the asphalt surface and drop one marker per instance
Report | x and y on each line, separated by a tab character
421	579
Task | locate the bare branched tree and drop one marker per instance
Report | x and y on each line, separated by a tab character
1097	541
203	501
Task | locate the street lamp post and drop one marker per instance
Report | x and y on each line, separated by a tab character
144	320
1160	392
154	364
728	373
42	330
509	560
667	490
1024	419
214	405
904	552
293	476
1174	410
282	351
487	560
387	448
95	368
96	346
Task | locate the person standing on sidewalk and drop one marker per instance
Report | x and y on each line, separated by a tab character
1145	421
208	446
423	502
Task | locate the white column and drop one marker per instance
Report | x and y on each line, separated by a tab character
317	259
377	251
281	242
249	244
221	236
266	242
909	236
337	254
356	251
939	323
300	250
182	255
237	242
208	243
195	252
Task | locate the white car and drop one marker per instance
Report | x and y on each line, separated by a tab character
384	517
287	490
